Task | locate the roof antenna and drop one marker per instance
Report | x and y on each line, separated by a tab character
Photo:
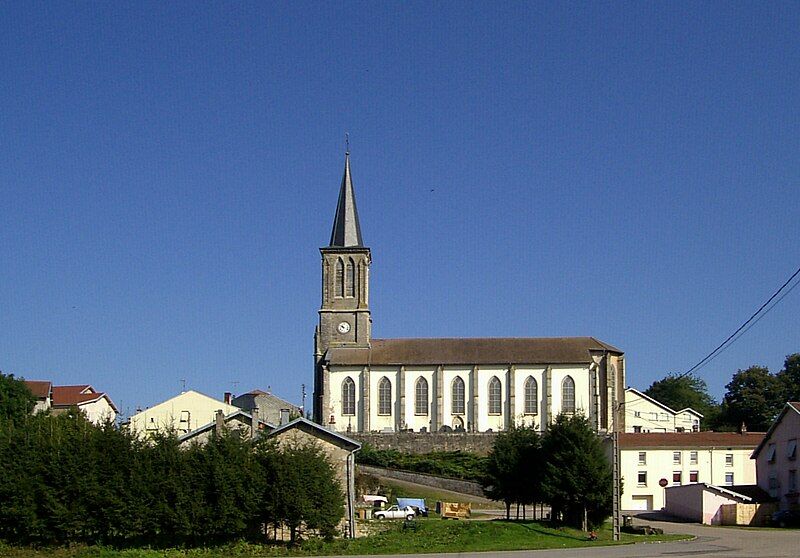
347	143
183	383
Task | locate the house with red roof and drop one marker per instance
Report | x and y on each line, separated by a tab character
96	405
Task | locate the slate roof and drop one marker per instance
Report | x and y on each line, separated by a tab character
431	351
346	228
689	439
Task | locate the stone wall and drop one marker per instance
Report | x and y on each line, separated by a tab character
426	442
454	485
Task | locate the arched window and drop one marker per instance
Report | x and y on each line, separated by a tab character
458	396
339	287
495	396
421	397
531	396
348	396
351	278
384	396
568	395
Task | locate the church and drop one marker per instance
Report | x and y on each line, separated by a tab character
363	384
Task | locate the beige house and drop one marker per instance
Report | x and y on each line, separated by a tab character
364	384
776	457
183	413
651	462
340	451
645	414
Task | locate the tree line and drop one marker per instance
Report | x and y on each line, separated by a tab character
753	397
565	468
67	480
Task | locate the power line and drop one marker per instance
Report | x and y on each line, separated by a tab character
729	341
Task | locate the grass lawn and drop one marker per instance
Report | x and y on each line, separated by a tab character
431	535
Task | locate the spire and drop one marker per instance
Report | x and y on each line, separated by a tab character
346	230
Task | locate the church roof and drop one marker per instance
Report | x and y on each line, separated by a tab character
346	229
531	350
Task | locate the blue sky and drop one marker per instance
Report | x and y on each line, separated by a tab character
168	172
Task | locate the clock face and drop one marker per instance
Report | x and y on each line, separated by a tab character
343	327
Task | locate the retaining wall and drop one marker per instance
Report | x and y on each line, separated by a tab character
454	485
426	442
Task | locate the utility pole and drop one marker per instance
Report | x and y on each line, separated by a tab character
615	466
303	405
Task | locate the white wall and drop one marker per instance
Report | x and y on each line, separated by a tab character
413	421
376	421
200	410
99	411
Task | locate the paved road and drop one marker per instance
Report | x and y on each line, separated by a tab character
716	542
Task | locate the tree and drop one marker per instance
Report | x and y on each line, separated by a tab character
16	400
789	378
508	476
680	392
576	476
754	397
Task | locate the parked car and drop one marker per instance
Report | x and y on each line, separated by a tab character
395	512
786	518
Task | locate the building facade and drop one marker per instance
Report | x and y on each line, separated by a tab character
364	384
644	414
776	458
651	462
181	414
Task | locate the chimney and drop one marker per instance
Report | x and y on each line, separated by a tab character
219	424
284	416
228	398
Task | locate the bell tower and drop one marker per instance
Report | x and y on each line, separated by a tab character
344	317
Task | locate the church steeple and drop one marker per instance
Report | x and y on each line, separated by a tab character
346	229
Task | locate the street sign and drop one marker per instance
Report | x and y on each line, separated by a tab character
662	483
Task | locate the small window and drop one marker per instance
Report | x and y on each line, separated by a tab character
791	449
771	453
495	396
729	459
637	414
773	484
458	396
568	395
637	429
729	479
642	458
351	278
676	458
694	476
185	417
653	416
421	397
793	481
676	478
384	396
531	396
641	478
348	397
664	417
693	457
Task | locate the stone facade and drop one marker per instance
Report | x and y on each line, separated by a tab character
426	442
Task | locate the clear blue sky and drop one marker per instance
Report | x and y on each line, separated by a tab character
168	172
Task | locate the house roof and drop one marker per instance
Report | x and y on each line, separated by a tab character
40	389
319	431
504	350
67	396
689	439
259	393
226	418
660	404
728	492
791	406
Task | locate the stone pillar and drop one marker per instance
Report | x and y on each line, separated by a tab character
548	386
474	407
438	399
400	421
365	402
325	397
512	396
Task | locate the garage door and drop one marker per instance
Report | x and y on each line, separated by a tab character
642	503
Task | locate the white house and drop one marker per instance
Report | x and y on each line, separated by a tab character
183	413
645	414
96	405
776	457
650	462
